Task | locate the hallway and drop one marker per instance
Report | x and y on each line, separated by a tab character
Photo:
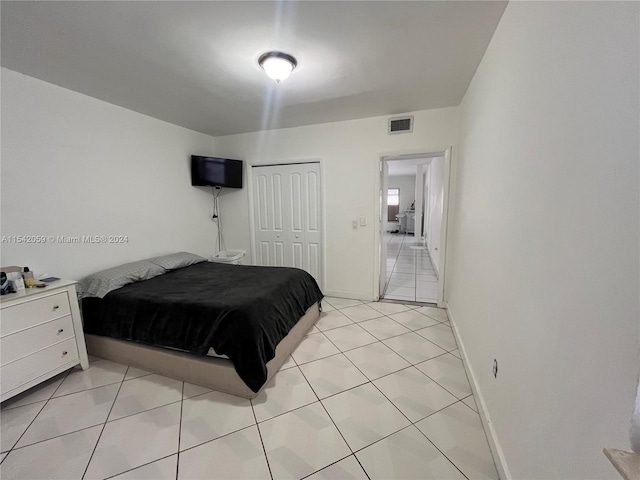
410	273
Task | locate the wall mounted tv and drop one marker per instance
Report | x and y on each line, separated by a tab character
216	172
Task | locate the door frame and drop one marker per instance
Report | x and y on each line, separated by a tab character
252	234
382	180
382	246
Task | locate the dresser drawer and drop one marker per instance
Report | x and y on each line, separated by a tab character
26	369
31	340
28	314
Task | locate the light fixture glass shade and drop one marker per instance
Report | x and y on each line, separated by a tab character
277	65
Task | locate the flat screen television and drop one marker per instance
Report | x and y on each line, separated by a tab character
216	172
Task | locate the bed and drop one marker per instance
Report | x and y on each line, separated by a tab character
225	327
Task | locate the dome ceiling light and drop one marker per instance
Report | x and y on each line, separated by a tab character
277	65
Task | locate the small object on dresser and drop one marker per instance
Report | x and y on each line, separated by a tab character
29	280
4	283
16	283
26	274
32	282
49	279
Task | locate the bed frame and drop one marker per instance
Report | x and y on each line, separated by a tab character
210	372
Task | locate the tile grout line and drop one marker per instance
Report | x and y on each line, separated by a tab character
396	407
53	397
377	340
205	442
264	450
416	257
36	416
411	364
336	426
380	341
194	446
333	463
139	466
104	425
388	338
86	389
438	383
108	421
13	447
57	436
340	351
443	454
369	381
180	431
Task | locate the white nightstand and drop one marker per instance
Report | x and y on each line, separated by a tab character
40	336
234	257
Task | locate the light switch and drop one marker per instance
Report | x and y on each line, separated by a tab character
354	224
363	221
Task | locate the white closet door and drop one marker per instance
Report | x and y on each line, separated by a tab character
288	216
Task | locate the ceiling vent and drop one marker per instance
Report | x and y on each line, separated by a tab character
401	124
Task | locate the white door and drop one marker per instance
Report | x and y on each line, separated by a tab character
287	216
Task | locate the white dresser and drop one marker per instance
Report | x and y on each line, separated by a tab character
40	336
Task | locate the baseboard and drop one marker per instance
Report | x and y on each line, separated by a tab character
350	295
492	437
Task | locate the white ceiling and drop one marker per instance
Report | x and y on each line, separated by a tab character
195	63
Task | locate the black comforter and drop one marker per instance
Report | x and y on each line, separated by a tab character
241	311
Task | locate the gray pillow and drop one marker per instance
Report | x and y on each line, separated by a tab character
100	283
174	261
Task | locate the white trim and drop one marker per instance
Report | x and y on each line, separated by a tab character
252	233
413	153
381	247
323	213
444	226
492	436
418	231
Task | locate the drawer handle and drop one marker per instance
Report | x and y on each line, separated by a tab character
64	353
55	307
60	331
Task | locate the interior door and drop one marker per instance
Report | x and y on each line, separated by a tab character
288	216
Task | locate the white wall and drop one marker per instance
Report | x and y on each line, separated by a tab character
543	263
73	165
350	154
407	186
435	191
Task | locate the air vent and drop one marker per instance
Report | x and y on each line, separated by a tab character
401	125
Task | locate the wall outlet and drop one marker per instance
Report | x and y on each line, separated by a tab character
495	368
354	224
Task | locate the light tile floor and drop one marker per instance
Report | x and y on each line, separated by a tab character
377	390
410	273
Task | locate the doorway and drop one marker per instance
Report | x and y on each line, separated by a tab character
287	216
411	246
